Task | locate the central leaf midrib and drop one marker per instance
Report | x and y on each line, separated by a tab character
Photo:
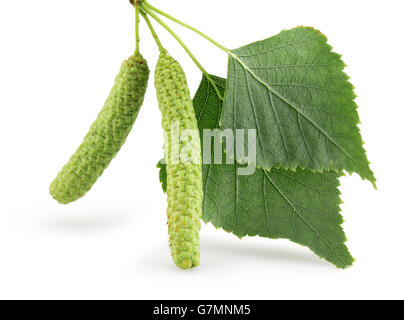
302	218
272	90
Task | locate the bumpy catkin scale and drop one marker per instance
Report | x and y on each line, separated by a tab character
107	134
184	179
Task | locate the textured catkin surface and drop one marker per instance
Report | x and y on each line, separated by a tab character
184	178
107	134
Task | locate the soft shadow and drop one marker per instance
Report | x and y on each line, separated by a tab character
220	255
88	222
229	251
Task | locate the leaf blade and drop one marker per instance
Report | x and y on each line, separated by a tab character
292	89
301	206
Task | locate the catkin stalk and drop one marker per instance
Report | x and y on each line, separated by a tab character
184	178
107	134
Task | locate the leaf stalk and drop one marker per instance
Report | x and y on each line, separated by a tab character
145	3
189	52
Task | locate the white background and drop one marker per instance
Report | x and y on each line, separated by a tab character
58	62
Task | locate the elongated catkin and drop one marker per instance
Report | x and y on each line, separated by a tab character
107	134
184	179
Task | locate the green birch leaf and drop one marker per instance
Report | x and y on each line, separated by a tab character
163	175
292	89
300	205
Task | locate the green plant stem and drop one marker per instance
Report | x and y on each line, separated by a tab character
153	31
165	26
148	5
137	52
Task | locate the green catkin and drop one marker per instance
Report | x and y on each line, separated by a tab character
107	134
184	179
